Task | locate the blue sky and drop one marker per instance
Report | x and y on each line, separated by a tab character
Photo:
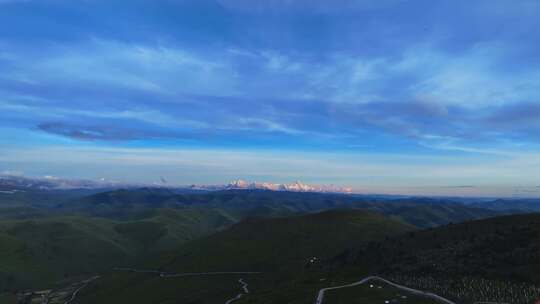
383	96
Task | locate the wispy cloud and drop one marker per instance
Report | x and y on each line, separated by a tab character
334	96
388	77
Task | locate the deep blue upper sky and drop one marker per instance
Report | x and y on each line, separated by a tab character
379	95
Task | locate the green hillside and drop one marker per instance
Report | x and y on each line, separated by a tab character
122	204
287	235
494	259
488	260
144	289
39	253
265	243
282	248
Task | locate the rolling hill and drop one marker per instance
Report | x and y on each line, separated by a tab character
266	243
524	205
66	236
285	250
420	212
38	253
496	259
493	259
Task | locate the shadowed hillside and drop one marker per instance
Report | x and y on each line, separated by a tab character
41	252
487	260
420	212
284	249
263	243
285	233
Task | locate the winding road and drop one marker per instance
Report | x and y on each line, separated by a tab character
240	295
76	292
320	295
73	290
162	274
244	285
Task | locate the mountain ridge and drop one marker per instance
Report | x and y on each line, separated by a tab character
296	186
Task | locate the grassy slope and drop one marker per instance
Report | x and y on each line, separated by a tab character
503	247
278	246
485	260
143	288
263	243
495	260
41	254
36	253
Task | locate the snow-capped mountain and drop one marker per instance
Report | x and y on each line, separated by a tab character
294	187
12	182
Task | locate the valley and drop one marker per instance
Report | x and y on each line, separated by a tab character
252	246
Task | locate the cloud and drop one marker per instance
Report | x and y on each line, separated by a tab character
516	114
365	77
369	93
518	121
87	132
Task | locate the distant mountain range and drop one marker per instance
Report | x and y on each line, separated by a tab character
13	182
292	187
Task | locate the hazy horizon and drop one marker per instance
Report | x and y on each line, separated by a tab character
458	191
